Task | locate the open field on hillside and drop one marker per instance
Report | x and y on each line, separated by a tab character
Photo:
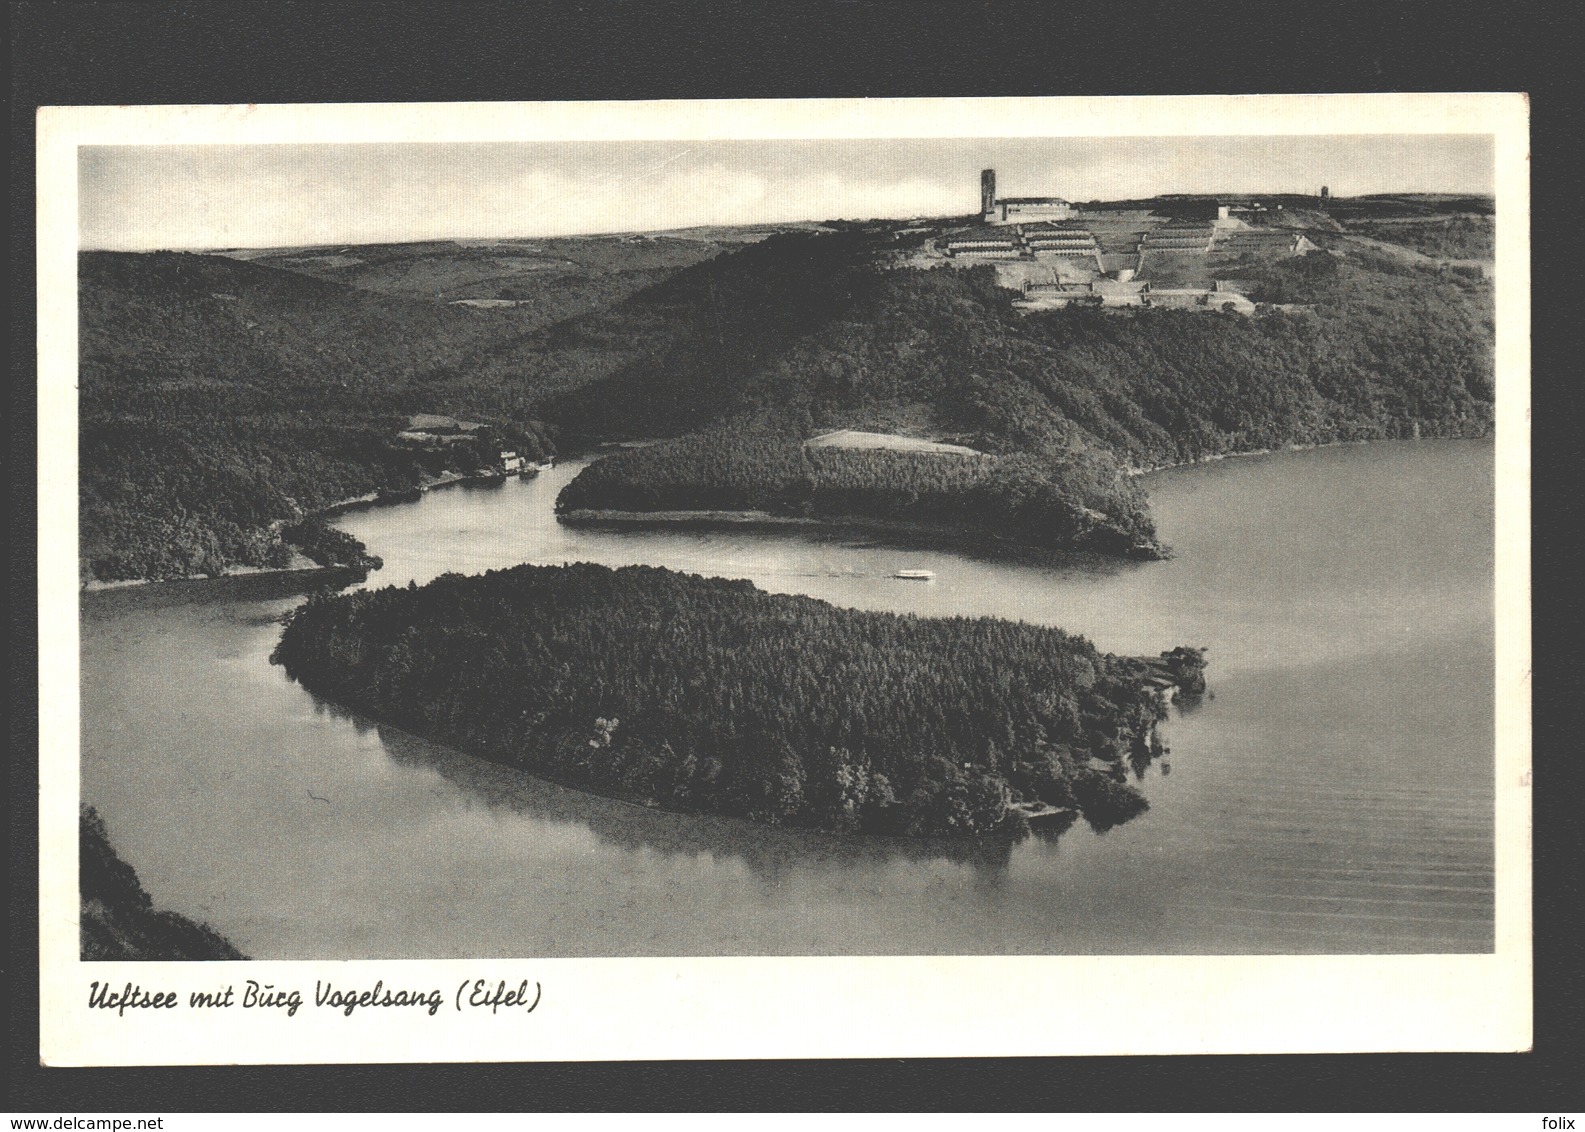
849	438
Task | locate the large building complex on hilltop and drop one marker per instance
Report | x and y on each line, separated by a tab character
1182	251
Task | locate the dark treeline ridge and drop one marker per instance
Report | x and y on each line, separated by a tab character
118	918
1424	206
1073	499
223	402
709	695
549	279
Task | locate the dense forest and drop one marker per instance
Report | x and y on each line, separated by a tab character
119	920
1452	237
710	695
221	403
1069	500
224	402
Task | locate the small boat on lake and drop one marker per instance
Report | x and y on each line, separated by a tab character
916	575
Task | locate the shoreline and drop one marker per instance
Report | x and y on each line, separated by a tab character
262	585
944	843
1019	814
302	565
360	652
95	586
952	538
118	920
1133	472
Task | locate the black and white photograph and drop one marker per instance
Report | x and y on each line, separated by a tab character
568	541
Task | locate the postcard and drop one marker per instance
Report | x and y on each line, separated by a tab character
832	578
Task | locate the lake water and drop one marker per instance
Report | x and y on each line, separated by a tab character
1335	794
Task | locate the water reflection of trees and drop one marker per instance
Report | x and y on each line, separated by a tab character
772	853
232	589
1142	756
1050	830
978	548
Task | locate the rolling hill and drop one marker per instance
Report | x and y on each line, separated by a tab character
223	397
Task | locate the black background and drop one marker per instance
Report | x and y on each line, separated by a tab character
241	51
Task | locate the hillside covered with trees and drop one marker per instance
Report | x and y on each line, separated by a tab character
1362	349
808	322
223	401
709	695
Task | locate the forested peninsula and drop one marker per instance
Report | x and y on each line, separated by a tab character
1071	500
1062	404
224	402
711	696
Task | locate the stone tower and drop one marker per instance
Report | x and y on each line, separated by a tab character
987	194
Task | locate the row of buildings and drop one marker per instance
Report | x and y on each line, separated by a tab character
1120	241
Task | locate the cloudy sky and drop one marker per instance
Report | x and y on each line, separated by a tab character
224	196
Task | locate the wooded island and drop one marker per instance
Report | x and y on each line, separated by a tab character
709	695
